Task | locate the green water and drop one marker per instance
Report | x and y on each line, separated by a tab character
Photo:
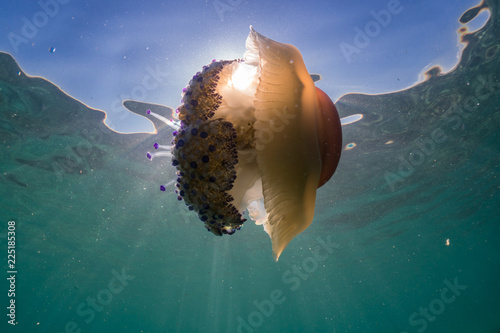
405	239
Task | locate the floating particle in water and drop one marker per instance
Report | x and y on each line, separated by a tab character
350	146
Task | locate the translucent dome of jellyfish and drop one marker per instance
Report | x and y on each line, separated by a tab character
254	134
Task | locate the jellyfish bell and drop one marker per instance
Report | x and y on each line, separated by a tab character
329	136
255	135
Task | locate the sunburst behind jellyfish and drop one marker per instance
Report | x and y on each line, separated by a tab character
255	135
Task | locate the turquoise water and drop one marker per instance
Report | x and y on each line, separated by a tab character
405	237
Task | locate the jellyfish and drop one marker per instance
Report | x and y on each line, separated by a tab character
254	135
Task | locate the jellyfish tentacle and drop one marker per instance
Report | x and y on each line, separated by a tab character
165	147
170	123
150	155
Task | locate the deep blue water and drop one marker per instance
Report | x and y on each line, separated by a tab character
405	237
